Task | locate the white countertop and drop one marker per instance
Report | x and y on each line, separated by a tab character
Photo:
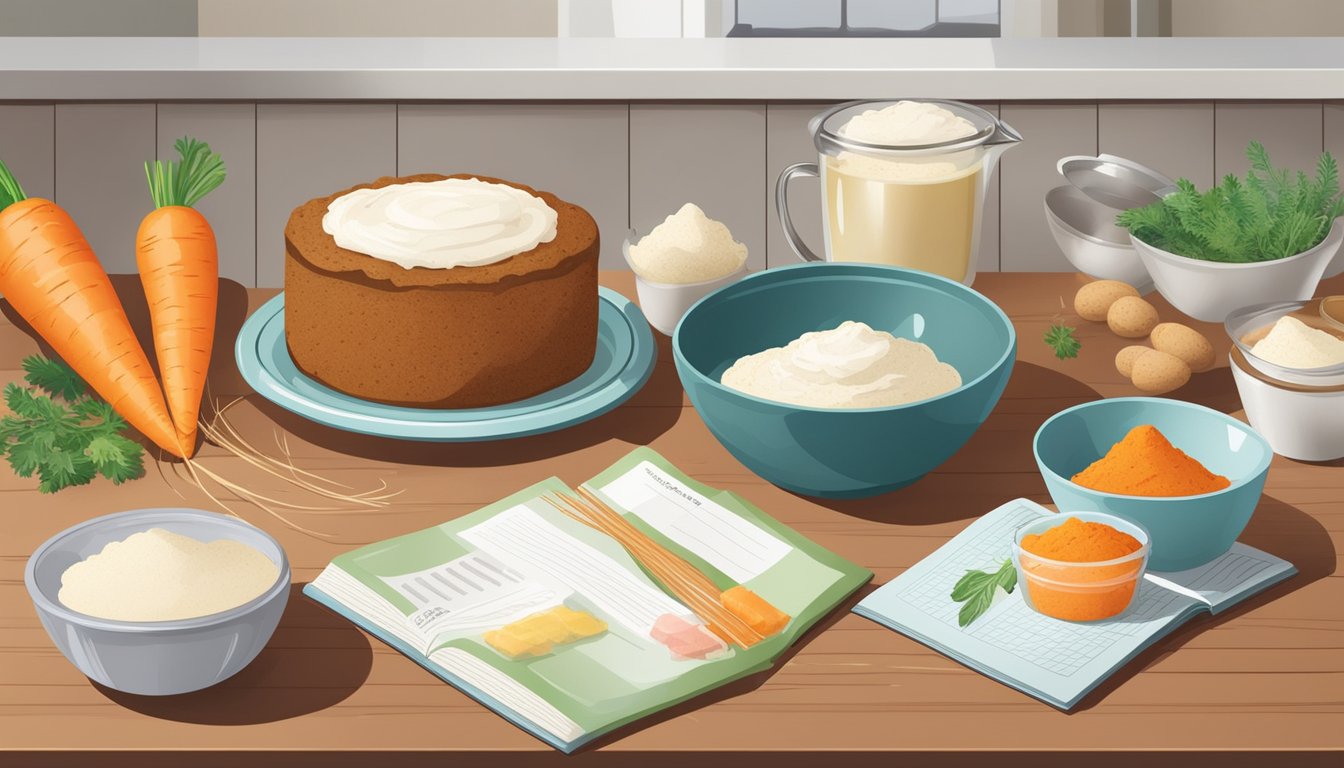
54	69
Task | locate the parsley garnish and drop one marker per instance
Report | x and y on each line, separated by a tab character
59	431
1272	214
976	590
1061	339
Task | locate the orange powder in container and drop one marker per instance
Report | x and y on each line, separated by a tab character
1067	578
1145	463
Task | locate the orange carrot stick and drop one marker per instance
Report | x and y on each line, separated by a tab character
52	278
179	269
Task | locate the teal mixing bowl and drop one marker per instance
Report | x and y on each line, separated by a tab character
1187	531
843	453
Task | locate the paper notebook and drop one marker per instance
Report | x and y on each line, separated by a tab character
554	626
1058	662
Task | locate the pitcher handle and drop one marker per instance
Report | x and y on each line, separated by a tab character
782	207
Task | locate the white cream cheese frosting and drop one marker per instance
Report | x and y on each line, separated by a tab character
440	224
851	366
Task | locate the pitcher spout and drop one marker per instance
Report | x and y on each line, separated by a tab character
1004	138
1004	135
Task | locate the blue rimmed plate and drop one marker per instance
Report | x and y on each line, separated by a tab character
622	364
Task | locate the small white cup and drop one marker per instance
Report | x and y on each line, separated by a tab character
663	304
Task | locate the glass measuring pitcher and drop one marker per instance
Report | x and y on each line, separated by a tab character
907	205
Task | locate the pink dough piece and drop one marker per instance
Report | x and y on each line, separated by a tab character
696	643
667	626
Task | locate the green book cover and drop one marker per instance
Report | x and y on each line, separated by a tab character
473	600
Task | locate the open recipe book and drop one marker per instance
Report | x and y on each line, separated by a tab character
1058	662
556	627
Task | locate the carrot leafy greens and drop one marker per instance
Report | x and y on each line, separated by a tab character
1271	215
185	181
62	433
10	191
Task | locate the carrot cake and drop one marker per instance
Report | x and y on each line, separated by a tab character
441	291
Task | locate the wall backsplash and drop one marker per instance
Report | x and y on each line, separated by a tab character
629	164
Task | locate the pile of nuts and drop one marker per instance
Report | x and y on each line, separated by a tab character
1177	350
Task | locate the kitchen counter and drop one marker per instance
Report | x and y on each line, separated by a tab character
1263	677
576	69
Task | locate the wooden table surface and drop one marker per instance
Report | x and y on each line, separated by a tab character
1268	675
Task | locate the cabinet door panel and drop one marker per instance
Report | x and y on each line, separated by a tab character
311	150
579	152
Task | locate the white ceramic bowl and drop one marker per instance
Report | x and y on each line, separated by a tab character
1210	290
1303	423
155	658
1086	232
663	304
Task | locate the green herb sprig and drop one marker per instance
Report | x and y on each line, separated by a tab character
62	433
1272	214
1061	339
976	590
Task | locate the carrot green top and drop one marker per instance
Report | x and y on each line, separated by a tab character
185	181
10	191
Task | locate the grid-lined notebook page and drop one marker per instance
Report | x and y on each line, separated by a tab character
1055	660
1228	580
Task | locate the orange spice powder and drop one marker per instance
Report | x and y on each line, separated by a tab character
1079	541
1080	592
1145	463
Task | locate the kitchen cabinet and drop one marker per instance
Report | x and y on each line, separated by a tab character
1290	131
710	155
101	151
309	150
577	151
28	145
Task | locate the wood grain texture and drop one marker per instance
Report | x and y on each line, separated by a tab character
101	151
1049	131
230	130
1290	131
1264	677
710	155
1171	138
310	150
577	151
28	146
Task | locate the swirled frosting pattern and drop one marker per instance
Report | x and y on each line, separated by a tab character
440	224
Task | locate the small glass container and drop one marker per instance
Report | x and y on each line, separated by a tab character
1080	591
1251	324
1332	311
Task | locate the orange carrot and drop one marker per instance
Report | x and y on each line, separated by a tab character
52	278
179	269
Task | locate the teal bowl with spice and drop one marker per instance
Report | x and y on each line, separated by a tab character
1186	531
843	452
